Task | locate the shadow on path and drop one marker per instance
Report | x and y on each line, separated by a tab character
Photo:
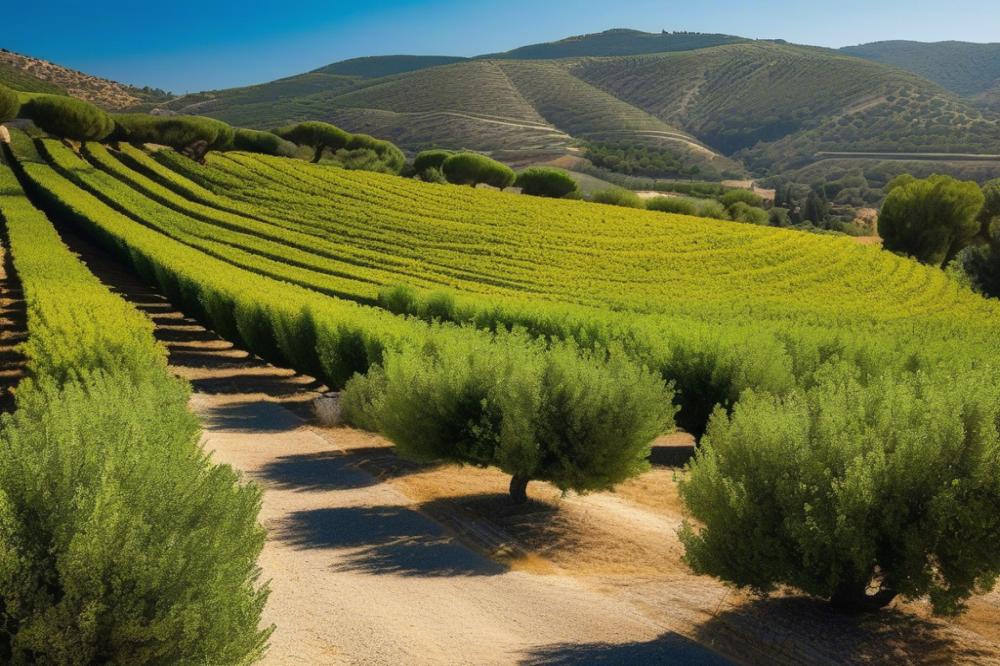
385	540
670	648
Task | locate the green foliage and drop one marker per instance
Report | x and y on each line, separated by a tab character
474	169
965	68
677	205
317	135
266	143
120	541
431	159
639	159
10	104
581	421
845	487
545	182
742	196
931	220
194	135
618	197
67	117
742	212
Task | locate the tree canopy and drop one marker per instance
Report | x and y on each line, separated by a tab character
9	104
67	117
194	135
931	220
267	143
545	182
317	135
431	159
473	169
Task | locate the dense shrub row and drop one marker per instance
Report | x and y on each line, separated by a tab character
10	104
67	117
192	135
119	540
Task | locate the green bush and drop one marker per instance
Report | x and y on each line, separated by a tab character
317	135
267	143
192	135
431	159
853	493
432	175
67	117
617	196
741	196
931	220
583	421
741	212
712	209
392	158
676	205
10	104
545	182
474	169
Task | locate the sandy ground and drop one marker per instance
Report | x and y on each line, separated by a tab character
375	560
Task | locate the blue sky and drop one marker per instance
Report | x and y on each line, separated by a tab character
184	46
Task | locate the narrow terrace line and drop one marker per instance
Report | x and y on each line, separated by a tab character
13	326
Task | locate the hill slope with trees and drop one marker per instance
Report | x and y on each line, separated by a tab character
962	67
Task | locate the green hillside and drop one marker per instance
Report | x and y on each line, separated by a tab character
617	42
13	77
962	67
375	67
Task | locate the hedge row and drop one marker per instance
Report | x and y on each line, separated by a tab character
119	540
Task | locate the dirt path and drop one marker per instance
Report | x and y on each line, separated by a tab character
375	560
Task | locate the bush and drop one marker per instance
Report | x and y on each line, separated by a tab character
266	143
545	182
931	220
741	212
741	196
191	135
713	210
579	420
318	136
67	117
675	205
391	158
853	493
432	175
10	104
617	196
474	169
431	159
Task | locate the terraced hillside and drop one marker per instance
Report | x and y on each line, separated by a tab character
962	67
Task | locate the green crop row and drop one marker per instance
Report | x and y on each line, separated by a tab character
120	539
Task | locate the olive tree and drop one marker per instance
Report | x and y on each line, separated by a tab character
474	169
9	104
266	143
851	492
545	182
582	421
67	117
191	135
931	220
317	135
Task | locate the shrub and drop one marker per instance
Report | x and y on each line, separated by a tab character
741	212
582	421
10	104
431	159
255	141
545	182
676	205
853	493
931	220
617	196
474	169
67	117
741	196
191	135
120	541
432	175
317	135
712	209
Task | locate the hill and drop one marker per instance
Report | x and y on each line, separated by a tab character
30	74
375	67
617	42
962	67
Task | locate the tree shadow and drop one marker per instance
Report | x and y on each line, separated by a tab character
385	540
670	648
338	470
795	630
253	416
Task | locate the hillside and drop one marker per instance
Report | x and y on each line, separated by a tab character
617	42
30	74
962	67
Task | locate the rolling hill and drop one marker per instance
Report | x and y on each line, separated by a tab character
962	67
30	74
617	42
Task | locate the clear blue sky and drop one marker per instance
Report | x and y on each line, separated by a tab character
184	46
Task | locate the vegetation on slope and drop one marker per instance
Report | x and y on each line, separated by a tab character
961	67
617	42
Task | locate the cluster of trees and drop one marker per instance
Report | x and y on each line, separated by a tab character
351	150
462	168
736	205
639	159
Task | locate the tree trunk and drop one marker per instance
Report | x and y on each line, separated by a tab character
319	153
853	598
519	489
